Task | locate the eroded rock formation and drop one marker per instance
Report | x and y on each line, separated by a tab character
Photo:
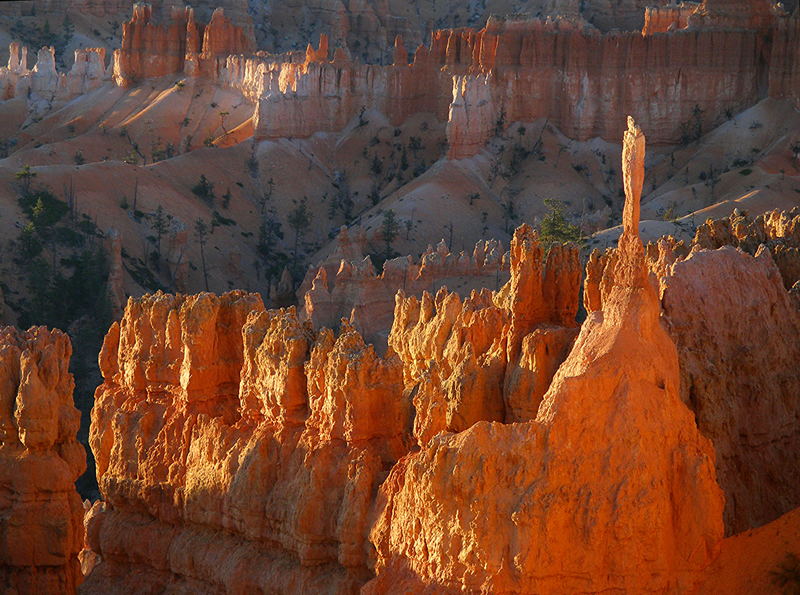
241	449
345	285
43	81
734	346
218	416
40	459
527	482
721	58
153	47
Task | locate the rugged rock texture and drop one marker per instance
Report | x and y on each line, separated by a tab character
734	14
662	19
457	353
737	353
473	118
220	38
732	347
152	48
632	505
40	459
44	83
217	416
496	446
778	231
784	74
468	77
345	284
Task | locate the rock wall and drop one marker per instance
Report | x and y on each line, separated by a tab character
611	440
663	19
733	346
153	47
40	459
149	48
561	69
734	14
345	285
570	75
298	99
217	416
784	75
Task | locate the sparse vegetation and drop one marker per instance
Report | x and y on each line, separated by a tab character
299	220
25	176
204	190
554	228
201	232
692	129
390	227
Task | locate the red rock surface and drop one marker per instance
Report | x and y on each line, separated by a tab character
345	284
457	353
267	434
611	439
40	459
739	344
737	353
661	19
151	48
564	70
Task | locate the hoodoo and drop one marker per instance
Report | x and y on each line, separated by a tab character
393	297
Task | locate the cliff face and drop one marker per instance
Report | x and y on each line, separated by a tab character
346	286
661	19
740	344
40	459
645	457
297	99
266	433
732	347
154	47
570	75
720	62
150	49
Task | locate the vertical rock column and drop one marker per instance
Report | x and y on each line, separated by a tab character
41	516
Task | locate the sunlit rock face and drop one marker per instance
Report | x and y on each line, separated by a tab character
726	303
497	445
154	47
219	417
40	459
636	507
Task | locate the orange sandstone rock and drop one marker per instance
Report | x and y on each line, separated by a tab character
218	418
736	329
457	354
611	487
40	459
734	323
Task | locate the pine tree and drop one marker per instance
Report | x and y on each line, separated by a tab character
201	231
555	229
